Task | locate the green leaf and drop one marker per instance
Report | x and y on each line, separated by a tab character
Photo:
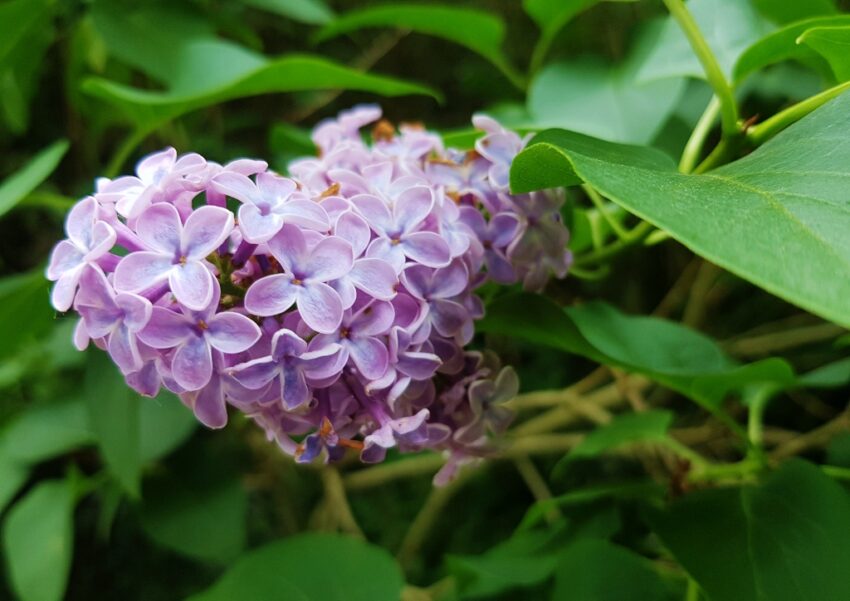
16	187
245	75
524	560
12	477
647	426
480	31
781	45
784	540
311	567
592	97
596	570
833	43
777	217
27	315
114	418
782	11
728	26
45	431
164	424
831	375
312	12
38	542
205	521
17	20
667	352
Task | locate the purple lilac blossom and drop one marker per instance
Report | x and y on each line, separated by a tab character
334	308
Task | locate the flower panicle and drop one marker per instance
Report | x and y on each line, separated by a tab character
335	306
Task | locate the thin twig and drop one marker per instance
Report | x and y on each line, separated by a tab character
537	485
337	501
814	438
781	341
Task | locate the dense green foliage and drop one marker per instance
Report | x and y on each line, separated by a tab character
683	430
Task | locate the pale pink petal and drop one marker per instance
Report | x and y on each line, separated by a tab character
80	220
237	186
153	167
209	406
290	248
387	251
65	256
427	248
330	259
450	281
351	227
123	350
305	213
274	188
375	211
370	356
62	295
231	332
165	329
137	310
412	207
255	374
103	238
373	320
258	228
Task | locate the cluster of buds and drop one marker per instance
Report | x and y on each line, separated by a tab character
334	307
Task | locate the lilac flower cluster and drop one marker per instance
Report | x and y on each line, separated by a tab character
334	307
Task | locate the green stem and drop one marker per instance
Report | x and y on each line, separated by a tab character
693	148
721	155
516	78
727	471
762	132
697	461
834	471
634	236
599	203
713	72
692	594
124	151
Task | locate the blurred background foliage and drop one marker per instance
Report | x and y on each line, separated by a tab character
107	496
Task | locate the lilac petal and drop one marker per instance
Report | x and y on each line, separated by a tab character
192	364
499	268
159	228
506	386
80	221
62	295
324	362
418	280
236	185
81	336
417	365
275	188
65	256
165	329
370	356
504	228
209	406
152	167
304	213
232	333
330	259
351	227
412	207
258	228
255	374
271	295
375	277
450	281
289	247
124	351
100	321
205	230
373	320
146	381
95	291
137	310
346	290
387	251
103	238
320	307
193	285
427	248
141	270
447	316
375	211
294	391
286	343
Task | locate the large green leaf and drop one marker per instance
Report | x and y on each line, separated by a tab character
38	542
27	314
833	43
728	26
313	12
45	431
205	521
16	187
596	570
777	217
667	352
480	31
17	19
781	45
12	477
164	424
311	567
647	426
784	540
241	74
783	11
114	419
602	100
